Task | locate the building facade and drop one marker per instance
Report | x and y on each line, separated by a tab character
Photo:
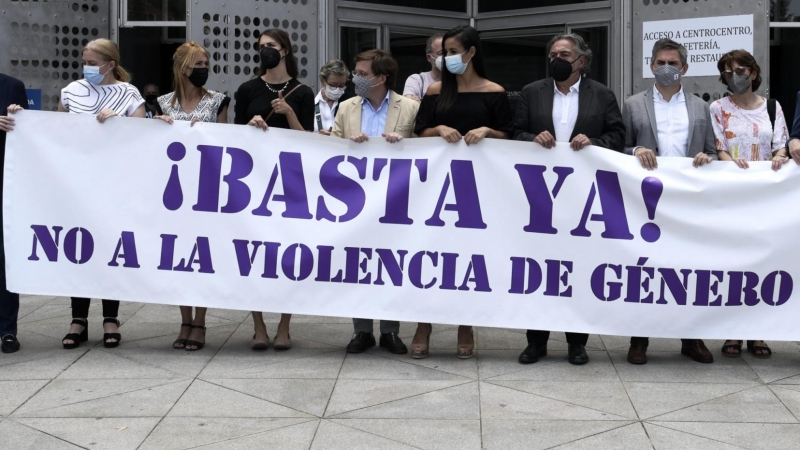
44	37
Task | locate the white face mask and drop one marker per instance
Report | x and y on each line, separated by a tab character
334	93
438	62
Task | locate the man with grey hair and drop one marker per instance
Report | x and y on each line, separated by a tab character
333	84
664	121
417	84
567	107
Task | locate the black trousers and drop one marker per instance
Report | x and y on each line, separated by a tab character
9	301
80	308
540	337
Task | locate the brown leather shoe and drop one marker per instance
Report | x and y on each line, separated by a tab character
637	354
698	351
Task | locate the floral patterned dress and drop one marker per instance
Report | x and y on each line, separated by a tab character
747	133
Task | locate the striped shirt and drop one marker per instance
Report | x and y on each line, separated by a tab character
82	97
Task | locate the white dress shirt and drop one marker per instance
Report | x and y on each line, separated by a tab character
325	112
672	124
565	111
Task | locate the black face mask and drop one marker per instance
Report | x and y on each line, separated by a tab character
150	98
561	69
270	57
199	76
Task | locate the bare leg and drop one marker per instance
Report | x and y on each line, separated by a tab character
183	335
198	330
259	326
421	336
283	327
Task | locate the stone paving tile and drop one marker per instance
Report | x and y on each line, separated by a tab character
352	395
441	360
310	396
15	393
754	436
501	365
204	399
668	439
368	367
65	392
540	434
674	367
146	395
423	434
97	433
789	395
754	405
654	399
455	403
500	402
294	363
147	401
334	436
191	432
22	437
630	437
293	437
609	397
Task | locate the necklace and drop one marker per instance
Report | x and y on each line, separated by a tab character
275	90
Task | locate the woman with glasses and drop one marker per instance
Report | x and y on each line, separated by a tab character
193	102
333	81
274	99
747	127
464	105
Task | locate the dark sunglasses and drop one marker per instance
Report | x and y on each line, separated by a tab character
727	74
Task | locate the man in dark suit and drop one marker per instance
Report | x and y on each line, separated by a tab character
567	107
12	92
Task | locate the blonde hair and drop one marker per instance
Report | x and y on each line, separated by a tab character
110	52
185	57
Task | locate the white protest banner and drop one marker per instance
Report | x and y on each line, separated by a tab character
706	39
502	233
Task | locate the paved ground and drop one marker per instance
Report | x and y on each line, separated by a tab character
145	395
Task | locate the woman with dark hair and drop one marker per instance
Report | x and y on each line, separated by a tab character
193	102
747	127
275	99
463	105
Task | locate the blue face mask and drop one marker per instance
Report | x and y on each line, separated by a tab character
455	64
93	75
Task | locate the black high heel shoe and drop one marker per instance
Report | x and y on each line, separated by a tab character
180	344
77	338
107	336
196	344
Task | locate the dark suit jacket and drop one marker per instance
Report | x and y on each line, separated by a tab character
12	91
795	134
599	117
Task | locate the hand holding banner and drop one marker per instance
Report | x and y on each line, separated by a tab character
501	233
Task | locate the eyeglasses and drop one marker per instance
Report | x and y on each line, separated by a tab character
742	70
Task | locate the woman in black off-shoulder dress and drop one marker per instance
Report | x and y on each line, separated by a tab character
464	105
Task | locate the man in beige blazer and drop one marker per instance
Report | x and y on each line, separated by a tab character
376	111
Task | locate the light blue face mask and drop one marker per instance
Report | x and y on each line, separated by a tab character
455	65
93	75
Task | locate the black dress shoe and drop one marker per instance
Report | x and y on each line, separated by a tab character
392	342
10	344
577	354
532	353
361	342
